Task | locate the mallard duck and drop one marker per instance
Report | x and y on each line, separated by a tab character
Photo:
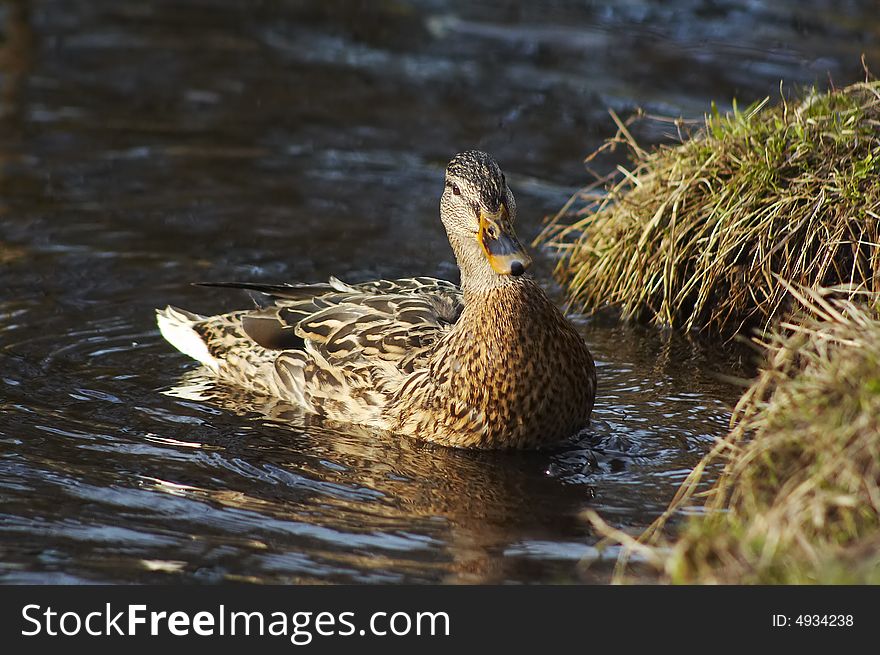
490	364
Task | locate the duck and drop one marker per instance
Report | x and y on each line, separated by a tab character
491	363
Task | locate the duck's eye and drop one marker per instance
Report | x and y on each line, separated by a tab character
455	189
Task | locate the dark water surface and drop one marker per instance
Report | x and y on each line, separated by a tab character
145	145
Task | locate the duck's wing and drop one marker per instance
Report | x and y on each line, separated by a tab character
445	296
395	321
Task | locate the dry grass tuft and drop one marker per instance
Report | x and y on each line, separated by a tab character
798	499
696	234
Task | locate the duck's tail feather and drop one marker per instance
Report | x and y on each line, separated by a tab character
222	345
176	325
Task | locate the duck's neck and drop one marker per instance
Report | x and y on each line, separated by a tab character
478	278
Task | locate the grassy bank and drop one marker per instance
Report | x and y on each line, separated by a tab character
766	219
798	499
698	235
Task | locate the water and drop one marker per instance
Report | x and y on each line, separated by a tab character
147	145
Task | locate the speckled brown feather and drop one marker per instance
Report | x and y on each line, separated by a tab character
512	373
356	342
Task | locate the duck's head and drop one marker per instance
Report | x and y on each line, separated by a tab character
478	210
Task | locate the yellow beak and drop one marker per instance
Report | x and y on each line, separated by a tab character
505	253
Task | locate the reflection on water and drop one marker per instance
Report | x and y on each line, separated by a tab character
147	145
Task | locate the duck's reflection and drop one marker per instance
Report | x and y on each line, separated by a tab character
468	508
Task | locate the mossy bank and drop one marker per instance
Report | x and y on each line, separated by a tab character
798	499
765	222
698	235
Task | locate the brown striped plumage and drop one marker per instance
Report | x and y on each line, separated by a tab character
511	373
491	365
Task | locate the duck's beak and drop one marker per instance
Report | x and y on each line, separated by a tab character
505	253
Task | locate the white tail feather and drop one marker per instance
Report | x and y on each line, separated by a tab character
176	326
